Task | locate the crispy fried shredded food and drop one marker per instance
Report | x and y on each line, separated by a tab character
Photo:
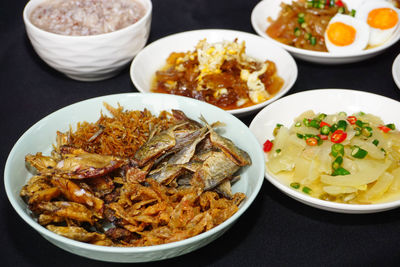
135	179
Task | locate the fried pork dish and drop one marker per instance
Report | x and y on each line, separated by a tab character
135	179
220	74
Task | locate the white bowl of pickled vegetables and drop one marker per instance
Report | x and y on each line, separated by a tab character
333	149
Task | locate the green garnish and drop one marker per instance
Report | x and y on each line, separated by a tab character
358	152
295	185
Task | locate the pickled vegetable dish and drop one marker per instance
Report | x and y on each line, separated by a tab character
347	159
220	74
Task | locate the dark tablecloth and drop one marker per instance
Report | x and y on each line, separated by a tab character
275	231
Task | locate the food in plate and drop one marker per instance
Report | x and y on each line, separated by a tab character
347	159
381	17
336	26
135	179
86	17
221	74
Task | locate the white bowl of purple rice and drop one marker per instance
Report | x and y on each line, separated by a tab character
88	40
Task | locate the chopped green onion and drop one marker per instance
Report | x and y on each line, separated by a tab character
337	149
297	32
298	124
313	40
376	142
278	150
306	190
358	152
325	130
353	13
303	25
383	150
307	36
340	171
295	185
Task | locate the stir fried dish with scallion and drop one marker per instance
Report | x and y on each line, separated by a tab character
302	23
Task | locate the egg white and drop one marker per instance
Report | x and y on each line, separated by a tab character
361	39
377	36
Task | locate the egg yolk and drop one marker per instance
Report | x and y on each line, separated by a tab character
382	18
341	34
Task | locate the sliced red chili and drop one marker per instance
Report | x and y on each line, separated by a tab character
323	124
267	146
338	136
384	128
312	141
352	119
323	136
339	3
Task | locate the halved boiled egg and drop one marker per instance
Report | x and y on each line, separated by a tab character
382	17
346	34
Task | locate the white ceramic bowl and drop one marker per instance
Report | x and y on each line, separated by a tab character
89	58
328	101
41	136
271	8
142	72
396	70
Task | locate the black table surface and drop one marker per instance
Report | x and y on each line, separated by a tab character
275	231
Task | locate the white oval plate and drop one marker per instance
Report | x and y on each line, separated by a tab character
41	136
396	70
328	101
153	57
271	8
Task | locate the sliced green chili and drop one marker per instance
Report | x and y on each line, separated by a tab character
325	130
337	162
358	152
295	185
391	126
306	190
376	142
367	131
340	171
337	149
